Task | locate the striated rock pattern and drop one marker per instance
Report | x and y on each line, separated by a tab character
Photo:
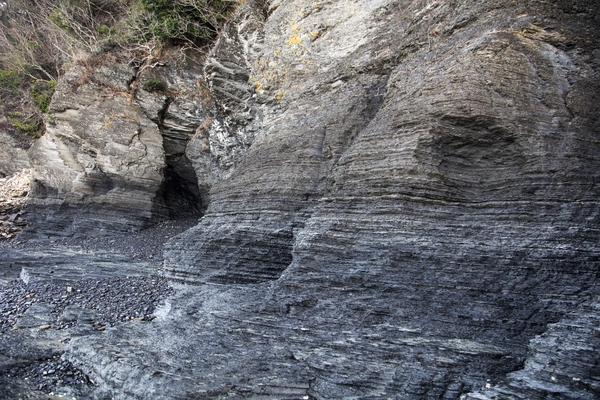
114	159
13	154
100	159
13	200
179	112
562	362
403	204
221	142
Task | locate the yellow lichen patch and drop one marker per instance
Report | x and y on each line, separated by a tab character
314	33
279	94
315	5
276	51
294	27
257	85
107	123
293	39
295	87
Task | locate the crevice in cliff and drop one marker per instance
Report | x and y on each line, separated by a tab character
180	191
181	194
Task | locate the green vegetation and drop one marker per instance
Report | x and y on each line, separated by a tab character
38	39
154	85
41	93
27	125
192	21
10	81
106	30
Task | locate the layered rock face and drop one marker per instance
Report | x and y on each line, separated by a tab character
113	159
402	203
13	155
411	211
100	159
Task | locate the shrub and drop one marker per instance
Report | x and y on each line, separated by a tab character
106	30
41	93
154	85
195	21
25	125
9	85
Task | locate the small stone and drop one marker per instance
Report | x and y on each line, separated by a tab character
44	327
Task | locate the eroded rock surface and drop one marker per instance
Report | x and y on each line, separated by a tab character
99	167
14	191
403	204
13	153
113	158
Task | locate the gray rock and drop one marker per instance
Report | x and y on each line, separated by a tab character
223	141
36	316
13	157
561	362
99	168
421	185
403	204
113	159
179	113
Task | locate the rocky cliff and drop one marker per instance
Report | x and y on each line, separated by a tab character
113	156
399	198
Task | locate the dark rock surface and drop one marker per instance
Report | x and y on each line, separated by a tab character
113	158
421	195
562	362
403	204
53	292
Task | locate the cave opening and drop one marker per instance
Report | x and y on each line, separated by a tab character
181	194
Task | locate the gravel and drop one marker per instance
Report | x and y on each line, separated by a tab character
47	375
92	304
146	244
111	301
81	305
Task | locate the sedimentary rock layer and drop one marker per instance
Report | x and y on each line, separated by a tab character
411	211
101	159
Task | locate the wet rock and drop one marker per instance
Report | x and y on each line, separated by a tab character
31	358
